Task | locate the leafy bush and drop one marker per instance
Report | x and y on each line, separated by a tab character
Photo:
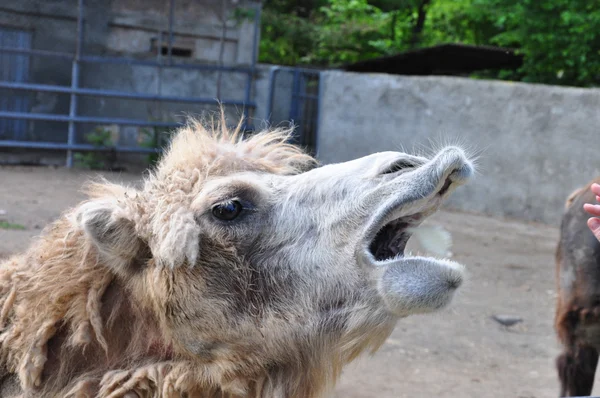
100	137
560	39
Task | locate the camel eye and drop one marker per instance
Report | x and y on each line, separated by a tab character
227	211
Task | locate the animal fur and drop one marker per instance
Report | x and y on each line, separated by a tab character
140	293
577	319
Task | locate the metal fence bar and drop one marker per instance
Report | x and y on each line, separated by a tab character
253	61
76	147
321	90
131	61
295	92
122	61
118	94
83	119
75	82
22	75
41	53
300	109
170	44
271	98
308	96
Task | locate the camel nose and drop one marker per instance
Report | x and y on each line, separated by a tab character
455	165
396	162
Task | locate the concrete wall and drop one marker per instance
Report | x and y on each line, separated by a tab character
127	27
537	143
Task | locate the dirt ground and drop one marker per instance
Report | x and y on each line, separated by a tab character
460	352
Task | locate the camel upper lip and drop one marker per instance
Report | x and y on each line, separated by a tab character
388	234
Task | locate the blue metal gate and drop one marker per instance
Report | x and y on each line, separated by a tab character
15	53
14	69
299	89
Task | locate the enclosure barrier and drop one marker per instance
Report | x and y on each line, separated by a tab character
75	91
304	107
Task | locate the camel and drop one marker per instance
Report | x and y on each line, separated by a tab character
240	267
577	318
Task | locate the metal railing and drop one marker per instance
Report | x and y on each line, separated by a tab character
75	91
304	103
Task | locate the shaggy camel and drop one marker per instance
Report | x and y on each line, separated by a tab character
577	319
238	268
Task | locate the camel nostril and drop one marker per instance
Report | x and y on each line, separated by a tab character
454	284
445	187
457	175
398	166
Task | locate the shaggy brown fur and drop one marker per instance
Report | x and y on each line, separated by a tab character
67	320
577	319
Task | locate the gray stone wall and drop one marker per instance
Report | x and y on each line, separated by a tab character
537	143
127	27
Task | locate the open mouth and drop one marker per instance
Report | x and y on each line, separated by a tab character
406	284
392	238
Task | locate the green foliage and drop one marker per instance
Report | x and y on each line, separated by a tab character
346	31
286	38
241	14
13	226
350	30
100	137
337	32
153	137
458	21
560	39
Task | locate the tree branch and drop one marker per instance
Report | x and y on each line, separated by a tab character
417	29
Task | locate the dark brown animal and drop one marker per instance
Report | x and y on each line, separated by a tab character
577	319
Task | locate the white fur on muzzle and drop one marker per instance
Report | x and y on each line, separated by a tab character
419	284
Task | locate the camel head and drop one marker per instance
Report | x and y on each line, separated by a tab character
259	265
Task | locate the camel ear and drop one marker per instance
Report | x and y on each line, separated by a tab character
109	225
175	237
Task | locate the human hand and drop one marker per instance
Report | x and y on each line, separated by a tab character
594	209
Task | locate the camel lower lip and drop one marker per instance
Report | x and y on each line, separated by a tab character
419	284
